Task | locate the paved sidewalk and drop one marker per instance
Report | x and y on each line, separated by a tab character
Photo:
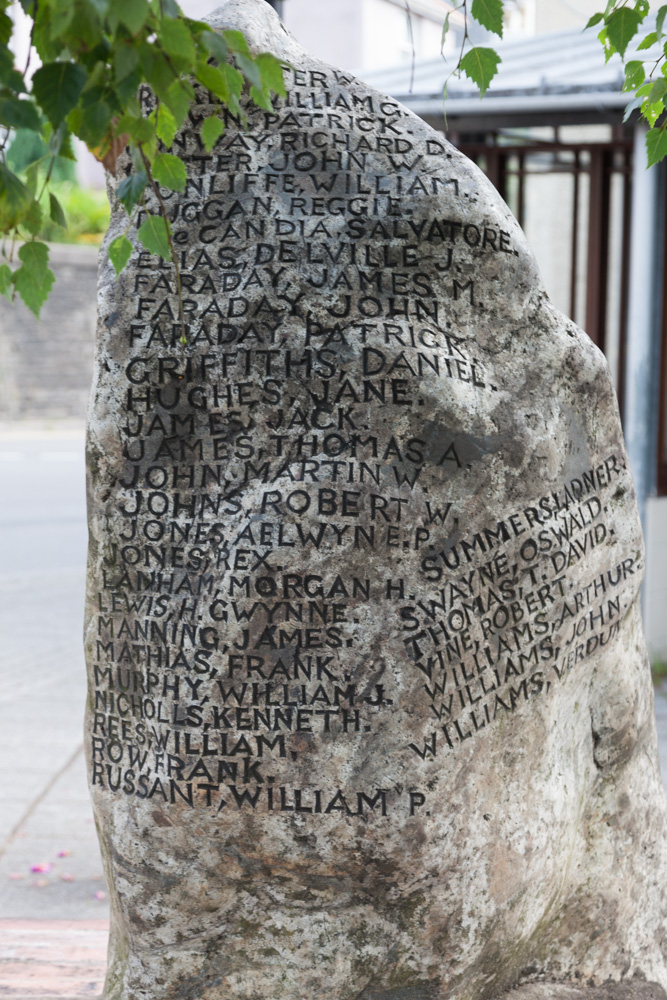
53	920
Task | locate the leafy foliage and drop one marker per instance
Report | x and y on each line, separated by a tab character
479	63
99	56
96	56
619	25
646	78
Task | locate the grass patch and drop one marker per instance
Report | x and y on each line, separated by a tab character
659	671
87	214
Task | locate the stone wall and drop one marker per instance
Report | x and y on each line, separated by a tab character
46	365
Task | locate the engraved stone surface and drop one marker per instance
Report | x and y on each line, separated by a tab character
370	711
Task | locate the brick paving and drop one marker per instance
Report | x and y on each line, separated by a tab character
52	959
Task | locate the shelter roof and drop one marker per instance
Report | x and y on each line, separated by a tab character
557	78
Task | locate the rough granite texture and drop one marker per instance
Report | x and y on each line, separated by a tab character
370	710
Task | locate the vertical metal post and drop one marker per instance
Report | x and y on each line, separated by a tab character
521	199
662	414
598	249
625	276
574	253
641	404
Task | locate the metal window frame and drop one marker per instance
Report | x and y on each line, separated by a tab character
600	168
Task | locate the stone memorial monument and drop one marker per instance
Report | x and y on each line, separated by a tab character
370	711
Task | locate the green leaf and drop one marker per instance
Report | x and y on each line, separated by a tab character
139	129
595	19
100	7
57	87
125	89
155	64
235	84
169	8
236	41
251	72
652	111
262	98
445	29
56	211
120	251
609	49
271	70
91	123
175	39
32	173
169	171
6	281
211	131
60	142
153	233
9	76
131	13
33	280
622	25
98	75
165	125
647	42
61	18
19	114
489	13
657	91
130	191
32	220
660	19
216	45
15	199
126	60
632	106
178	98
6	27
480	65
214	79
656	145
634	75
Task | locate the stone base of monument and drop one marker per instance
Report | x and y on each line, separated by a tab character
370	711
629	989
